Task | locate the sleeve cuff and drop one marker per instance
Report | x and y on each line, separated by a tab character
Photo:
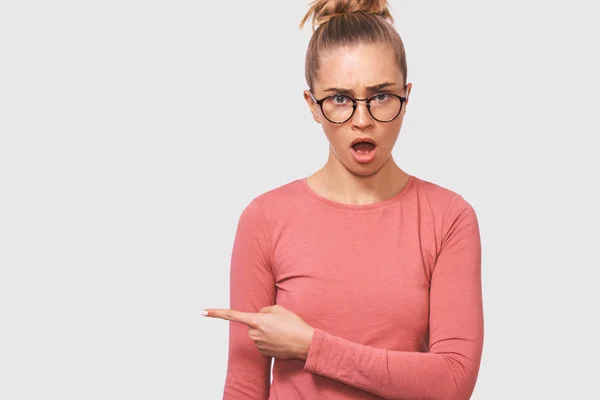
314	350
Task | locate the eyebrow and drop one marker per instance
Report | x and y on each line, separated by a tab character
370	89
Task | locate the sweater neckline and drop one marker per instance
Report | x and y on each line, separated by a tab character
359	207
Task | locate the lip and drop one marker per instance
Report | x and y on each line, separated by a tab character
363	139
364	158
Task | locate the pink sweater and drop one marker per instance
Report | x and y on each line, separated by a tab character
393	290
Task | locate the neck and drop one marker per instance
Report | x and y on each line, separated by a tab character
338	183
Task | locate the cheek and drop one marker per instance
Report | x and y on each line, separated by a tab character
334	135
392	132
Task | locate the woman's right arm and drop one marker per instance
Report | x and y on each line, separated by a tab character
252	287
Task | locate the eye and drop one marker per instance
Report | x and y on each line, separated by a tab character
381	97
339	99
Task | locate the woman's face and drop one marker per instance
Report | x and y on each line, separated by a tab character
351	71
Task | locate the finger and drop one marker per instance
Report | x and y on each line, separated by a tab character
232	315
254	334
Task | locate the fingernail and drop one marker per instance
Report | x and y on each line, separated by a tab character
204	312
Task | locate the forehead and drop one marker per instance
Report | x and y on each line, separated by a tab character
358	66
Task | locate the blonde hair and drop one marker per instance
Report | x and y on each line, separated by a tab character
337	23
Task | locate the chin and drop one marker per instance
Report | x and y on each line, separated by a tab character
364	169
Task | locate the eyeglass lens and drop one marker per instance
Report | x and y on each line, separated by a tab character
383	107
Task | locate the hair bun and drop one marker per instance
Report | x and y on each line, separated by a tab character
321	11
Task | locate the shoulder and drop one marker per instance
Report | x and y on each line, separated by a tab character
274	199
277	194
446	208
455	219
446	200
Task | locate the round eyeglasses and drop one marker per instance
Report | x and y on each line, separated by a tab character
338	108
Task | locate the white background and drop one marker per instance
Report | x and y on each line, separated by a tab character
132	134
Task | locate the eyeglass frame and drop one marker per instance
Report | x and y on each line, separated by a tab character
354	100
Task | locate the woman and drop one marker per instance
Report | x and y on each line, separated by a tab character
361	281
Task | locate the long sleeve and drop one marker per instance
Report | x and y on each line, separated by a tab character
252	287
449	369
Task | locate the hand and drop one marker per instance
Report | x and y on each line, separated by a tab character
277	331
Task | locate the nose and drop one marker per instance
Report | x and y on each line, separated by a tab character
362	117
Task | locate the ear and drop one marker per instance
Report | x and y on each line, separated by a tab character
408	88
314	107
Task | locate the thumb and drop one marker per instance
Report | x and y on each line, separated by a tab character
266	309
278	309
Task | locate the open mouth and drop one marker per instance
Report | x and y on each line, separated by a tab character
363	147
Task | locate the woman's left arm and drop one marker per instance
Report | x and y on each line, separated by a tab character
449	370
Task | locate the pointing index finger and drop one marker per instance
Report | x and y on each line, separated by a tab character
232	315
